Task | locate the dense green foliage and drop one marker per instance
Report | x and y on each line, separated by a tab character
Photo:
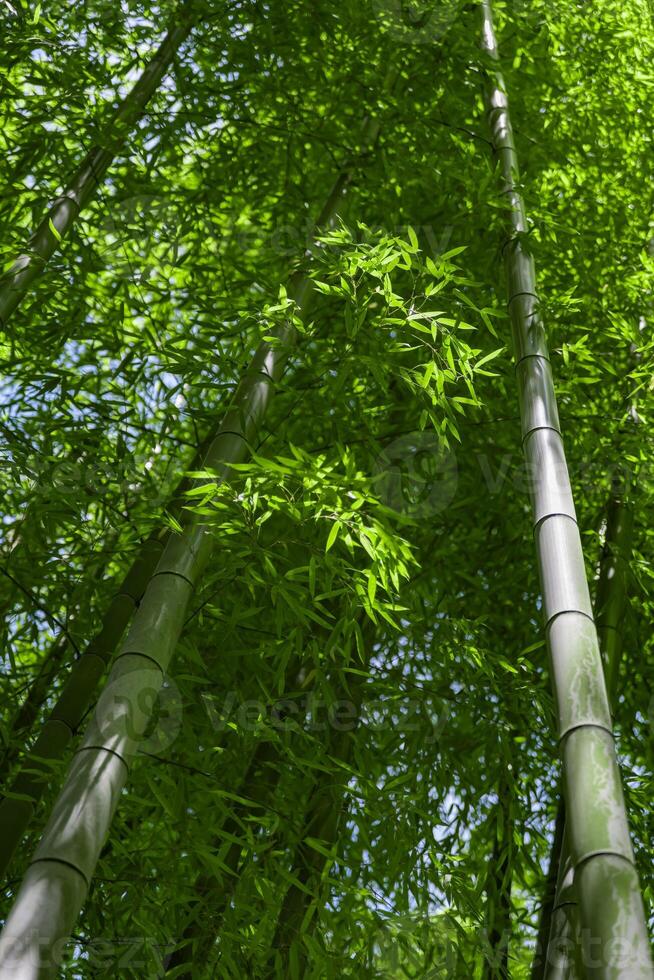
359	714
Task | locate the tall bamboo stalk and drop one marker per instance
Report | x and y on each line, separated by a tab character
56	883
32	779
610	607
65	211
553	959
69	711
20	727
614	935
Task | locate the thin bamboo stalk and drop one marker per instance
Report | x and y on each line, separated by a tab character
323	817
499	884
24	718
65	211
549	896
614	934
213	894
56	883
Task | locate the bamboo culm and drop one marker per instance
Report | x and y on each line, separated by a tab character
610	607
57	880
56	883
31	781
614	935
64	212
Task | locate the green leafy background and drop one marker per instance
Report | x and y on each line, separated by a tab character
336	577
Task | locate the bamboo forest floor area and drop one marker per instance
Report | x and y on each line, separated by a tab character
327	483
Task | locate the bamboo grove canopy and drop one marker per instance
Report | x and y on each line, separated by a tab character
327	485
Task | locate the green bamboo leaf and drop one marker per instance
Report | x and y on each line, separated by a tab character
333	534
372	586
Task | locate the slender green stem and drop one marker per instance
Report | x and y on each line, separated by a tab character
63	214
323	817
499	885
549	896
